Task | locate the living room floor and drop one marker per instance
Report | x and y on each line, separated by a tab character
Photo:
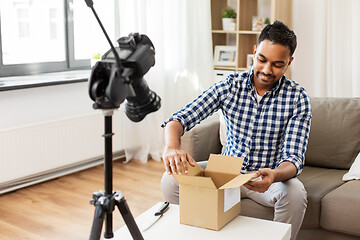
60	208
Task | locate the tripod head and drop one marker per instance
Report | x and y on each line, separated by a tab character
119	76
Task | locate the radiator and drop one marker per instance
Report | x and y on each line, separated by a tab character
30	154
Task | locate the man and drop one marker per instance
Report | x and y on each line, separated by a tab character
267	119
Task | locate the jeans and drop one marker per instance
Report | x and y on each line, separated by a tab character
288	198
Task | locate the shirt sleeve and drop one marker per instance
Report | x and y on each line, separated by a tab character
297	133
203	106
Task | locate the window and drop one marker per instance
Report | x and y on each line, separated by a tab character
87	30
52	35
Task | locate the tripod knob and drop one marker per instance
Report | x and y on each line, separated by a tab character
96	196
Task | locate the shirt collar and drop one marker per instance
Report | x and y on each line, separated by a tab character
248	82
273	91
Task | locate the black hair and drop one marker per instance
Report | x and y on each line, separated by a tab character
279	33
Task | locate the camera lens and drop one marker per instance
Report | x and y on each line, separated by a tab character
145	102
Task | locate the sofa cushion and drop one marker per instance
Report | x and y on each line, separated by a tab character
341	209
318	182
253	209
334	134
321	234
203	139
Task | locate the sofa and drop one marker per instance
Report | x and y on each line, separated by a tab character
333	210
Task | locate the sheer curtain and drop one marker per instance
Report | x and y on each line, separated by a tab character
327	63
181	33
337	55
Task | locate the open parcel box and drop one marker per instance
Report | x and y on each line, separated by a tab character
211	198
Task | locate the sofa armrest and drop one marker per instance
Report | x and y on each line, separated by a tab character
203	139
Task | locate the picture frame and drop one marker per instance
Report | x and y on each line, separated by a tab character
225	55
257	23
249	60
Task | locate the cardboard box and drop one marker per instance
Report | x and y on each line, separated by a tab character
211	198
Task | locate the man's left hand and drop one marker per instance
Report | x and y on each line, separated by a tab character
266	178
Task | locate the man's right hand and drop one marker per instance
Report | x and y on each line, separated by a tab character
175	160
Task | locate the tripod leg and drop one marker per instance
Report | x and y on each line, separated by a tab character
128	217
108	232
97	222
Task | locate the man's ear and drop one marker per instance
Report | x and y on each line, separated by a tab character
291	59
254	49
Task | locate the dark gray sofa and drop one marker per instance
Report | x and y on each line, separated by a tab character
333	210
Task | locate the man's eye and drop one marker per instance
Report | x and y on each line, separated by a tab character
261	60
279	65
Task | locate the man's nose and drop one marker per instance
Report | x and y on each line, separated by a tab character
267	68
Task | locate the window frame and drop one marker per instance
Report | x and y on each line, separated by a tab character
46	67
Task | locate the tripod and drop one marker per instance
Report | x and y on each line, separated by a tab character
105	202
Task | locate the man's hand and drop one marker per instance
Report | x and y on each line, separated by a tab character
266	178
283	172
175	160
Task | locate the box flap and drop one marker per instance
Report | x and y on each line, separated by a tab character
195	181
219	179
195	171
224	164
238	181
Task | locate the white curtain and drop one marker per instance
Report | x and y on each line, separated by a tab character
337	50
181	33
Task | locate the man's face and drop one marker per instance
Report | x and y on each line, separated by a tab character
271	61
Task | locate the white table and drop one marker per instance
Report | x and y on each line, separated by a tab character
169	227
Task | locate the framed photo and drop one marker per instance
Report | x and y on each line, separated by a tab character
257	23
249	60
225	56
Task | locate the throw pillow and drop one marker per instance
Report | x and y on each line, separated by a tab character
222	130
354	171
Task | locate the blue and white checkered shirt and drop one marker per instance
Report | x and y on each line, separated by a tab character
266	133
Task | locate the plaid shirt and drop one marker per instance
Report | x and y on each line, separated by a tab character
266	133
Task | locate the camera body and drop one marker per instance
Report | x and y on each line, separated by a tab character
111	82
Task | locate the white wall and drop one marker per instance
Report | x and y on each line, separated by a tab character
47	128
36	106
43	104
